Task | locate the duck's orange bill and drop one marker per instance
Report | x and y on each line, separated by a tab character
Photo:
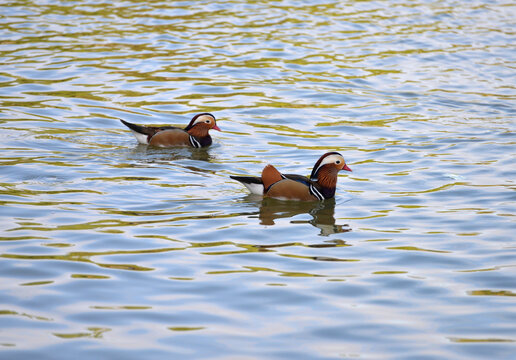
215	127
346	168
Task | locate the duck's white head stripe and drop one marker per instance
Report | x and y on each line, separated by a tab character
330	159
204	118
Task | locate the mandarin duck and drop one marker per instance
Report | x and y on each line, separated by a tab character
196	134
320	186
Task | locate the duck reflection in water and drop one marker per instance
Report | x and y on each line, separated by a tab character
322	212
154	155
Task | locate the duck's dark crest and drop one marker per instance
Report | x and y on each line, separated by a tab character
191	123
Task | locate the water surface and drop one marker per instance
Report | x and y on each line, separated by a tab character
110	249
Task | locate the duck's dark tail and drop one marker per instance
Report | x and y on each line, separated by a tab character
253	183
139	129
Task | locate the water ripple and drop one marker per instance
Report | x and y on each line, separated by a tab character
113	249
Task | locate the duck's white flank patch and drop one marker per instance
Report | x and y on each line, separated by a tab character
256	189
142	138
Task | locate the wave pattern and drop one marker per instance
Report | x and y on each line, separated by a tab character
112	249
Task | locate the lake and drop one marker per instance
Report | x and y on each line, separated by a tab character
114	250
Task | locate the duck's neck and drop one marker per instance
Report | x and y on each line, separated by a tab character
198	131
201	134
327	181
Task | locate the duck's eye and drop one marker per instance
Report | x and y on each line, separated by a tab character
337	162
207	121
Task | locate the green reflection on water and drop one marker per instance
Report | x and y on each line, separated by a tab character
437	189
85	257
10	190
122	307
413	248
181	278
93	332
37	283
17	238
68	94
89	276
318	258
186	328
58	245
486	340
491	293
122	178
32	317
251	269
